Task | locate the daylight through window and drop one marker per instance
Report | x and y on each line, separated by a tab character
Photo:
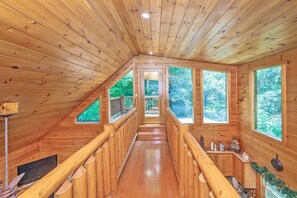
91	114
181	93
121	97
215	94
268	102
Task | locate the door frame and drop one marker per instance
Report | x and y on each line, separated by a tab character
150	120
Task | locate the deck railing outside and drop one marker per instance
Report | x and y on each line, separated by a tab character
151	106
197	174
93	171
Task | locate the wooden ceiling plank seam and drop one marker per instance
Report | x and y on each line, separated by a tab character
22	39
208	10
270	48
166	21
191	21
269	26
179	13
254	16
79	9
33	28
109	5
144	7
120	8
80	28
33	20
241	10
225	18
156	9
132	10
100	12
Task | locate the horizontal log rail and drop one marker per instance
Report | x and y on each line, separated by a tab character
197	174
218	184
91	171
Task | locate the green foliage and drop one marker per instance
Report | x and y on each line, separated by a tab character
91	114
123	87
215	96
268	101
151	87
274	181
181	92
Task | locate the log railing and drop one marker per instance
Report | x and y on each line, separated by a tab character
92	171
198	176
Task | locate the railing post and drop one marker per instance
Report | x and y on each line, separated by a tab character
111	129
122	103
183	129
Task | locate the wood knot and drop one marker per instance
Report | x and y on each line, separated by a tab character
14	67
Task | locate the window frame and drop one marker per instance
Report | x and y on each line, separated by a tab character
100	113
108	93
193	90
228	79
284	105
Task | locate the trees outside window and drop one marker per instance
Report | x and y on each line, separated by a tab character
91	114
215	97
181	93
121	97
268	101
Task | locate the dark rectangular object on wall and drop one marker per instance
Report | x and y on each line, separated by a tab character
37	169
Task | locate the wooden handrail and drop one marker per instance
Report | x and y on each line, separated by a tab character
217	182
51	182
118	123
178	124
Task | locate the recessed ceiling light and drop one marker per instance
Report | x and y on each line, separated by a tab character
150	53
145	15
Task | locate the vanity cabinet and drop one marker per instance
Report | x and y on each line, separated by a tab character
232	164
225	162
244	173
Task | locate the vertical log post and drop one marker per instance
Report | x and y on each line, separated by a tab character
181	162
112	150
79	182
190	175
99	173
91	177
106	169
65	190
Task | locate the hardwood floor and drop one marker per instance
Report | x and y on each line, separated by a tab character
149	172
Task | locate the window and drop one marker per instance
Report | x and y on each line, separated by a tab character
272	192
121	97
181	93
215	97
91	114
268	102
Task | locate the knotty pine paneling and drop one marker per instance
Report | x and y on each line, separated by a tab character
52	57
263	149
211	132
68	136
218	31
18	157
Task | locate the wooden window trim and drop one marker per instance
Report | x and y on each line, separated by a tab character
255	132
228	96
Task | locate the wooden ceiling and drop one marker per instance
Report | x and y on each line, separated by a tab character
220	31
54	53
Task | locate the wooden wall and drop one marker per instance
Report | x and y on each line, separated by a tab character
261	148
68	136
211	132
18	157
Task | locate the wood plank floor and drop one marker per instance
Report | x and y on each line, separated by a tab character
149	172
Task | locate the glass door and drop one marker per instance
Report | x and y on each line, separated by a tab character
151	89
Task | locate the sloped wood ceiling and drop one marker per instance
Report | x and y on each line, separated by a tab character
221	31
54	53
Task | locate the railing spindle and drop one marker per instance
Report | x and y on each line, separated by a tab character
100	173
65	190
91	176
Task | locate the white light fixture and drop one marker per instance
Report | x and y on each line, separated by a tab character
145	15
151	53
